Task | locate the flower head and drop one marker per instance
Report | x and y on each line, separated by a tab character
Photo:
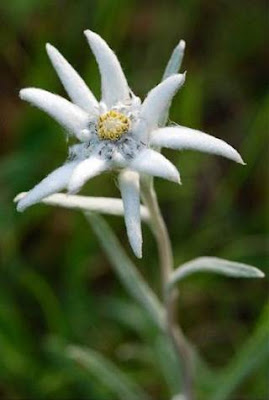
118	133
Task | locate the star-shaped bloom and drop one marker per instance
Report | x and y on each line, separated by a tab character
118	133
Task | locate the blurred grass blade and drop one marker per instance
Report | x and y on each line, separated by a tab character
175	61
215	265
44	295
103	205
252	355
166	361
13	360
106	372
125	269
163	359
12	322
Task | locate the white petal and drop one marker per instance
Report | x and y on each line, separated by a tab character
74	85
153	163
70	116
130	192
86	170
114	85
102	205
158	100
174	63
53	183
185	138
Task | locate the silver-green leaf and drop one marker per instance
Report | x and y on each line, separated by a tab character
126	270
215	265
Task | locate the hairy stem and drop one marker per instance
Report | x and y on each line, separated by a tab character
169	297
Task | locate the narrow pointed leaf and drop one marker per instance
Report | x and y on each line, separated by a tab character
126	270
215	265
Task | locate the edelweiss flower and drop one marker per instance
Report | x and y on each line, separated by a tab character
118	133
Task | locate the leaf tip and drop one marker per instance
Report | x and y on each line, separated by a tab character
259	273
182	45
240	160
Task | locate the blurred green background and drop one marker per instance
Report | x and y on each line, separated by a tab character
56	284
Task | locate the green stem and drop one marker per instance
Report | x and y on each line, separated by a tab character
169	297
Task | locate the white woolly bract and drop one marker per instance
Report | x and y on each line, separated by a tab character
180	138
54	182
131	154
114	85
153	163
67	114
103	205
86	170
130	192
158	100
74	85
174	63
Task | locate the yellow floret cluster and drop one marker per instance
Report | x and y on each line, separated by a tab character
112	125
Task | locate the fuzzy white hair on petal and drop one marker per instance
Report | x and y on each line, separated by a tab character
114	84
174	63
74	85
130	192
86	170
153	163
102	205
54	182
181	138
159	99
67	114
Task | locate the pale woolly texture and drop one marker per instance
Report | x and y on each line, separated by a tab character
102	148
215	265
70	116
153	163
174	63
129	187
102	205
54	182
86	170
158	100
74	85
180	138
114	85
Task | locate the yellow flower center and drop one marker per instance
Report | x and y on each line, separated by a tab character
112	125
